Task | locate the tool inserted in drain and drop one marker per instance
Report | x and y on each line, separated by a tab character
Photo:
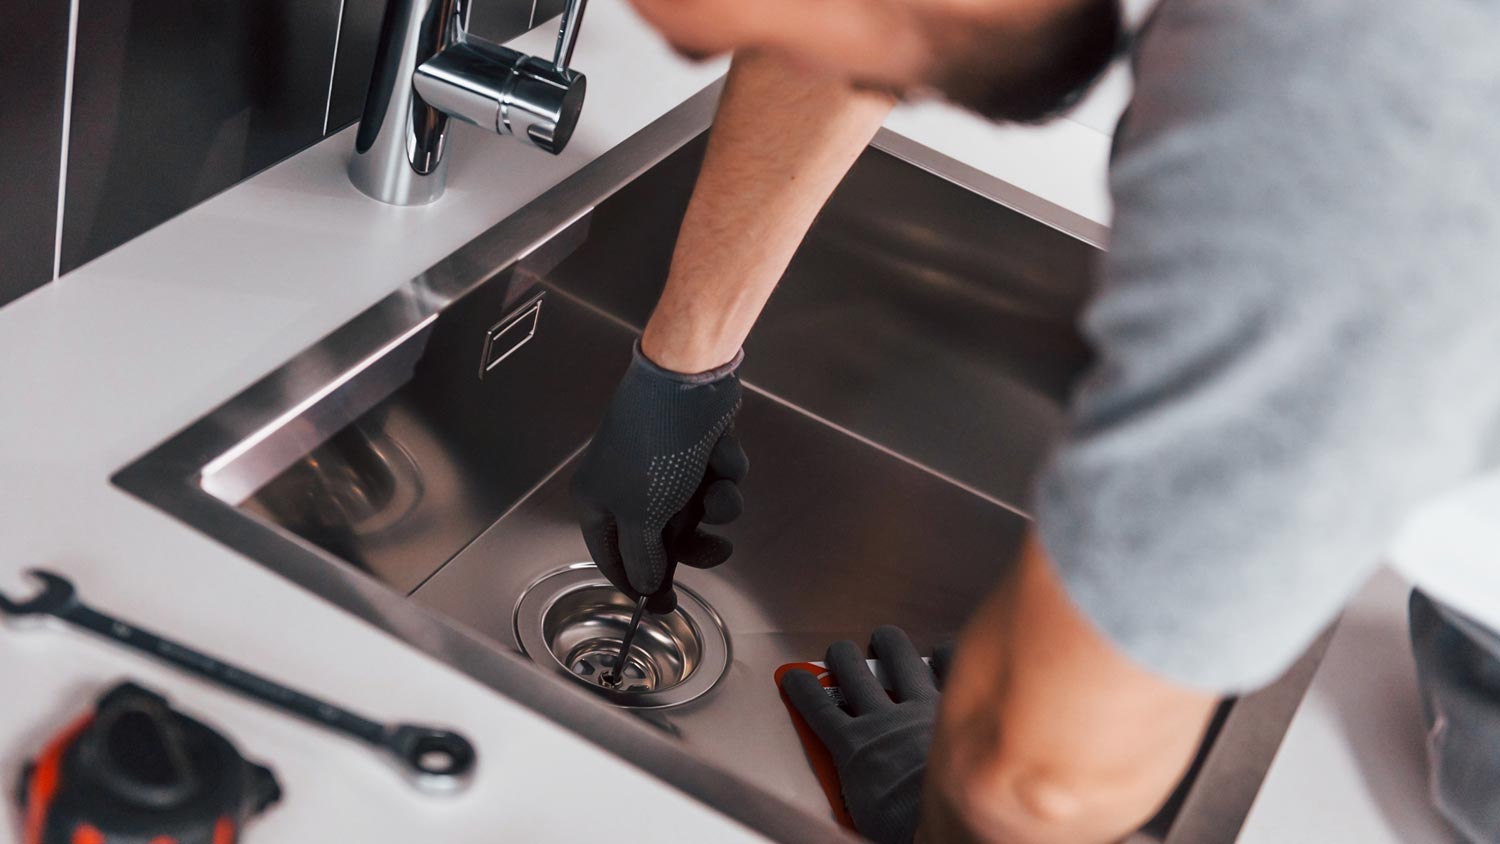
574	620
616	674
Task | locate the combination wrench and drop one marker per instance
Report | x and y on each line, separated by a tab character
435	759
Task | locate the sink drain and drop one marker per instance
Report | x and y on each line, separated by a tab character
575	620
597	661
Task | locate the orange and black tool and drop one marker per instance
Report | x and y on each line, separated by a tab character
136	771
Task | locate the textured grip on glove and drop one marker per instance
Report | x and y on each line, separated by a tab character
662	463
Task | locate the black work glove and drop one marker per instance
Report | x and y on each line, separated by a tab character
879	745
662	462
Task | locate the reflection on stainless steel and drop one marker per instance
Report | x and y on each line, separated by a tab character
478	445
904	381
567	33
1232	770
428	68
573	621
358	483
913	307
836	539
508	335
626	665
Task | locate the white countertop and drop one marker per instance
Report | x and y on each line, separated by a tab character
118	355
1352	767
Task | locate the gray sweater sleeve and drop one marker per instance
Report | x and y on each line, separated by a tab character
1297	329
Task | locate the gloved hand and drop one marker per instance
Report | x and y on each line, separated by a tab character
662	462
879	745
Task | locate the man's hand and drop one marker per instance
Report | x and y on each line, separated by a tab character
662	462
879	745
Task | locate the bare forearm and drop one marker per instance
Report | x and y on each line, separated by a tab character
784	137
1048	734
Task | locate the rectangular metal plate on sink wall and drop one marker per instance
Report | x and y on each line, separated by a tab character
510	334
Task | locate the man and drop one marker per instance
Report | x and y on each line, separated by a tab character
1295	352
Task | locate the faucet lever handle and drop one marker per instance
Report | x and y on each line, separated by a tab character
567	33
506	92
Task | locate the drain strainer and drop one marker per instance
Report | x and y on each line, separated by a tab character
575	620
595	662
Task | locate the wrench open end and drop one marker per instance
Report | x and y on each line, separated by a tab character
55	595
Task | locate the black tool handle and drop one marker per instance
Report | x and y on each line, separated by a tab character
224	674
434	758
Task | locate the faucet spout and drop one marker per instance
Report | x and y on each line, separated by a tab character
428	69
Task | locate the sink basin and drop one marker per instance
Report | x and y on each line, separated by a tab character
412	467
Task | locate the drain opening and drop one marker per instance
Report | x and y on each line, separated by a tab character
596	661
575	621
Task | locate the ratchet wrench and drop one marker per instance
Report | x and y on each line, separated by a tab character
435	759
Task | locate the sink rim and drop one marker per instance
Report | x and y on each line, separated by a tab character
189	476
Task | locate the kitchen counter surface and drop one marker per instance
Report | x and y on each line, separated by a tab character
1353	764
118	355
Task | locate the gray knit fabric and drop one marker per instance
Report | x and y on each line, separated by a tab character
1297	324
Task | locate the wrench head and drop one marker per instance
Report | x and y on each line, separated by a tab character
55	596
436	760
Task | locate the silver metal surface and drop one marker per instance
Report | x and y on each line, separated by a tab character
915	305
574	622
902	386
837	538
508	335
1236	765
506	92
625	662
1048	213
428	68
567	33
398	149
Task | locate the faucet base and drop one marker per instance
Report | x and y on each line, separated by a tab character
395	182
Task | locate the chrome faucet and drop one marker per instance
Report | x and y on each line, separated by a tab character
428	68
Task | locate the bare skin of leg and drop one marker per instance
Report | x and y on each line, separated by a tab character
784	137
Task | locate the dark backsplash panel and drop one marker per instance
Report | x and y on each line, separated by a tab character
356	58
548	9
173	101
502	21
33	64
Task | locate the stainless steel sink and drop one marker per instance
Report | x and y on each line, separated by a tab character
412	467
